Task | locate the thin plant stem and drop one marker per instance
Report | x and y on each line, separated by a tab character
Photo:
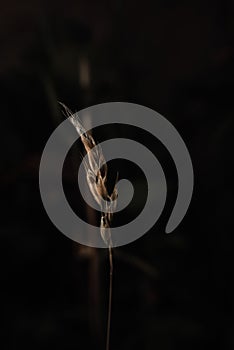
110	300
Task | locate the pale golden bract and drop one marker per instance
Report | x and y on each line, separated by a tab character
96	175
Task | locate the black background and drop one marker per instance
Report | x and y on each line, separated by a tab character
170	291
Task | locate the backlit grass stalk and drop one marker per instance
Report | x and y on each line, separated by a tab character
96	175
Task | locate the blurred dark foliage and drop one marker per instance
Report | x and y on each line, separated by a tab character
170	291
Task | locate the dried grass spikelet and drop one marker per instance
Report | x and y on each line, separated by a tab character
96	175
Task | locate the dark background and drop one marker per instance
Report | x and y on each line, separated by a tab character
170	291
